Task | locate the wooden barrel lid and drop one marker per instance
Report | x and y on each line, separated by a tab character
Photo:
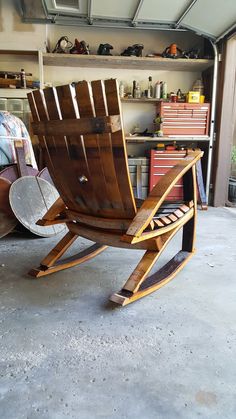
11	172
30	198
7	219
44	174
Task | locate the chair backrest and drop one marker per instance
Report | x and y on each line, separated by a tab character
89	169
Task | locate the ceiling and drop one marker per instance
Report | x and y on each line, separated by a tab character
210	18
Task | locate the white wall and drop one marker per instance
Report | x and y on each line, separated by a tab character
14	34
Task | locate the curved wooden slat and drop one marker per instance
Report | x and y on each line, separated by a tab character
105	145
75	161
119	149
97	178
44	113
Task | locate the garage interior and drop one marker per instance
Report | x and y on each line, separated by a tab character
66	350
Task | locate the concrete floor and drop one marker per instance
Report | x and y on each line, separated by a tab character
65	352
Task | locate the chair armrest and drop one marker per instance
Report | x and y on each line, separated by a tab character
158	194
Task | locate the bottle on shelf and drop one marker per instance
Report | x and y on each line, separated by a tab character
158	90
179	95
22	79
134	88
198	86
121	89
164	90
137	91
150	88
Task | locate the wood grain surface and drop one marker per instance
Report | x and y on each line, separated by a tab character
7	219
30	197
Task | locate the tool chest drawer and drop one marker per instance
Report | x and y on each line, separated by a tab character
160	163
183	118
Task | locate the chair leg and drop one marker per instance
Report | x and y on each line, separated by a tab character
52	263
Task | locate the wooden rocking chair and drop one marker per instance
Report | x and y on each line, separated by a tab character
81	131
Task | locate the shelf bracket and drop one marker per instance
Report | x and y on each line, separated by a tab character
136	14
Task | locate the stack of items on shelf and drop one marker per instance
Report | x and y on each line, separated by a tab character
159	91
177	114
17	80
173	51
65	46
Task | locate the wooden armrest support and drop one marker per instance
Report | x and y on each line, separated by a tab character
159	193
82	126
53	215
61	219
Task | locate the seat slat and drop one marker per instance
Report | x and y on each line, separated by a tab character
165	220
179	213
172	217
168	214
119	149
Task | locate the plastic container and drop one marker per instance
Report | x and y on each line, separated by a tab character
26	105
150	88
158	90
15	105
198	86
164	90
3	104
137	91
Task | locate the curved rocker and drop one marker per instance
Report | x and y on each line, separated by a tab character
88	164
52	263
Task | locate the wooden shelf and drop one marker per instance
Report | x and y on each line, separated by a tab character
133	139
14	93
142	100
138	63
18	52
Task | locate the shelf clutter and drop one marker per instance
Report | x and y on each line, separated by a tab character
177	114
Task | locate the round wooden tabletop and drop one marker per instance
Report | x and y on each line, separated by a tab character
30	198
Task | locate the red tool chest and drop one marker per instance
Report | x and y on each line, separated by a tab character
160	163
184	118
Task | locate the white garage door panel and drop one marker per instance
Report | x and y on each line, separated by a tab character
206	17
162	10
124	9
211	17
